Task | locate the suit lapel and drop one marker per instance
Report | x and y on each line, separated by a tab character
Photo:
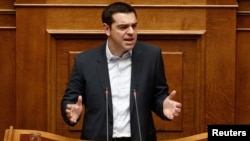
137	61
103	74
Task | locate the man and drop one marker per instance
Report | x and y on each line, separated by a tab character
120	83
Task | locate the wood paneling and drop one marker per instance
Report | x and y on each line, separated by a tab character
204	44
7	62
7	4
242	65
220	66
243	77
159	2
167	18
7	75
7	18
31	69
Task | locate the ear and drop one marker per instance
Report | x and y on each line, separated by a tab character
106	29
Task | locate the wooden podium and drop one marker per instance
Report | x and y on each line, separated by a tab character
12	134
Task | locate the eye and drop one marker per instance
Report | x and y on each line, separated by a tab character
123	27
126	26
134	25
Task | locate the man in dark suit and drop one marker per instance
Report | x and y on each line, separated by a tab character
119	83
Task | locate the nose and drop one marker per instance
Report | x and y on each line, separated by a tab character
131	30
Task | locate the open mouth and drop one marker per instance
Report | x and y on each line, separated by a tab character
129	41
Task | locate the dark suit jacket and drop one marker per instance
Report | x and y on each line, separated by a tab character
90	78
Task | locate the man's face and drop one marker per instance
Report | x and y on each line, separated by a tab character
123	33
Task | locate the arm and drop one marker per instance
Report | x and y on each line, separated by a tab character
71	104
167	107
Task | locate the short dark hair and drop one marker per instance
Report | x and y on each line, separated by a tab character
113	8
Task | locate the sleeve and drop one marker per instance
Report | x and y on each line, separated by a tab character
160	87
73	90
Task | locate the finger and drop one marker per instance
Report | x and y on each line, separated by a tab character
69	106
72	120
79	100
171	117
69	115
172	94
177	110
176	114
178	105
67	110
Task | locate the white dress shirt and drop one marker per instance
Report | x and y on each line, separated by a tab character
120	77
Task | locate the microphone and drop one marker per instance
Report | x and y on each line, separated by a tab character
137	114
107	110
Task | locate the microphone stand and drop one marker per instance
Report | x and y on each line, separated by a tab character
107	115
138	119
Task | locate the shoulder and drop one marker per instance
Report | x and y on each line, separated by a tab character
91	53
146	47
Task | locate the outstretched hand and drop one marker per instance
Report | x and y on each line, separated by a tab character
74	111
171	108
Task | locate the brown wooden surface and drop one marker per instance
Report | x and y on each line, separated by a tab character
7	65
205	49
220	54
13	134
242	112
196	137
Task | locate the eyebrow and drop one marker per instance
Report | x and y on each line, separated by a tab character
127	24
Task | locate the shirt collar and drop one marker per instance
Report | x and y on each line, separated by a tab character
111	57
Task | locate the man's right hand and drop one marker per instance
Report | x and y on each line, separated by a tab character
74	111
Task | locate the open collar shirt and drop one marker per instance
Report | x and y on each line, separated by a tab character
120	79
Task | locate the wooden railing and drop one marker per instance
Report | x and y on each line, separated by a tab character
196	137
12	134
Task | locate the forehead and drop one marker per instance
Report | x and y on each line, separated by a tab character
124	18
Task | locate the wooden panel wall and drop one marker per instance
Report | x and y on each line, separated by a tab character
242	63
204	45
7	65
220	54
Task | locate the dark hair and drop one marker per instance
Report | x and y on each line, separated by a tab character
116	7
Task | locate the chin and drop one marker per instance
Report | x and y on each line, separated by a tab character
129	47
